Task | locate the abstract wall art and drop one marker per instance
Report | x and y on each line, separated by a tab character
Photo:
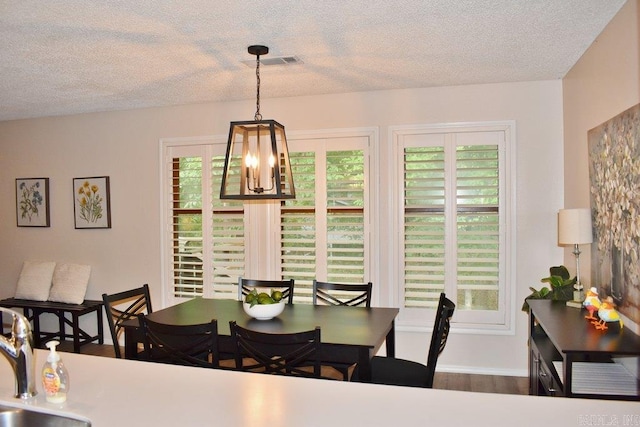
614	173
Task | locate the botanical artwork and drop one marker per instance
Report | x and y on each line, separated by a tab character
614	169
32	202
91	202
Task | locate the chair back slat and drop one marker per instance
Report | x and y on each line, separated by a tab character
280	354
123	306
189	345
346	294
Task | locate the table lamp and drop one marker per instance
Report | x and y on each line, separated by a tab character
574	228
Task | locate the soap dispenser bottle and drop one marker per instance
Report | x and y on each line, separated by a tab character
55	378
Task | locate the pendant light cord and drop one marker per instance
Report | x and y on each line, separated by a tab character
258	116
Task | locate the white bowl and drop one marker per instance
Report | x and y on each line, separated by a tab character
263	311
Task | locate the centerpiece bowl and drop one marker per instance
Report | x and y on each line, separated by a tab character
264	311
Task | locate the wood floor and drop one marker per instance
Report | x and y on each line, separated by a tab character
481	383
443	380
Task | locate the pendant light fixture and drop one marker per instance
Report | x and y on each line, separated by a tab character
257	164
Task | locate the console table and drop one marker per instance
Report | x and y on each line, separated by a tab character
569	357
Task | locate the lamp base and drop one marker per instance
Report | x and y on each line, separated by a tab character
578	295
574	304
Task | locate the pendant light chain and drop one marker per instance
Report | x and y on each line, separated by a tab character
258	116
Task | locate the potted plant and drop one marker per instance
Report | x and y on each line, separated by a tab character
561	287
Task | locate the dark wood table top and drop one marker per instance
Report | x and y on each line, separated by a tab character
353	326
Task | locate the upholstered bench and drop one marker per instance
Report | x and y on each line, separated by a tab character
33	309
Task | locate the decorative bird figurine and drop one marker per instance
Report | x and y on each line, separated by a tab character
591	303
607	313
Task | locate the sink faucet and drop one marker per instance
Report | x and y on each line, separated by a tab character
19	352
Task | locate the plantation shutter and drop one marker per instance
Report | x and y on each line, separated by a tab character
424	223
228	236
298	226
453	222
478	225
324	230
206	235
345	216
186	226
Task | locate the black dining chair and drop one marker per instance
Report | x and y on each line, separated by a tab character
394	371
286	286
352	295
343	294
189	345
123	306
280	354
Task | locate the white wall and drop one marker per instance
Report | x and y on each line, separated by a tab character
125	146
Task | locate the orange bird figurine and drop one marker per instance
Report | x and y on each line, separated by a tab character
592	303
607	313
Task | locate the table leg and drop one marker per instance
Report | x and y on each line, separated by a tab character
130	343
35	315
76	333
100	329
364	365
391	340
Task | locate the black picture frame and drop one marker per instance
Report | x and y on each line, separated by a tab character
92	202
32	202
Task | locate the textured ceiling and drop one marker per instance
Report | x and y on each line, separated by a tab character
74	56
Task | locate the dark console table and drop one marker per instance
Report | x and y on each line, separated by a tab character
569	357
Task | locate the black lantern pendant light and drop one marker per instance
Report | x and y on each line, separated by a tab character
257	162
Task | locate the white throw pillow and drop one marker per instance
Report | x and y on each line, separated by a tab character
70	283
35	280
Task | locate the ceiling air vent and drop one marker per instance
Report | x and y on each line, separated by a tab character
278	60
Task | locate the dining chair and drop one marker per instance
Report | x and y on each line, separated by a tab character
344	294
348	294
123	306
394	371
280	354
286	286
189	345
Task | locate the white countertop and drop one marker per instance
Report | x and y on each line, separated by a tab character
107	391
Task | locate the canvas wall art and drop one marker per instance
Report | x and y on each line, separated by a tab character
614	173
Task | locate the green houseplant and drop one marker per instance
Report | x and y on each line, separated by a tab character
561	287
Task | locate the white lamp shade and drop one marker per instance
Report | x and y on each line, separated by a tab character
574	226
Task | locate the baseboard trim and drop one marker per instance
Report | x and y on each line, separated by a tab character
482	371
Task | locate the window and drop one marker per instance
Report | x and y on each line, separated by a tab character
325	230
205	236
454	204
451	230
323	233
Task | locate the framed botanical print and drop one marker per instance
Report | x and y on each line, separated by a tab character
91	204
32	202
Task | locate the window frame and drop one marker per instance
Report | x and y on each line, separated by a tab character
187	147
331	140
264	233
383	166
471	321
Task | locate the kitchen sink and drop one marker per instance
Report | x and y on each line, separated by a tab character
21	417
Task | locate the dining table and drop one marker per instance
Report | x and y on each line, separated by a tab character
348	334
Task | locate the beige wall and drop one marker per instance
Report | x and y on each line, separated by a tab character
125	146
602	84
